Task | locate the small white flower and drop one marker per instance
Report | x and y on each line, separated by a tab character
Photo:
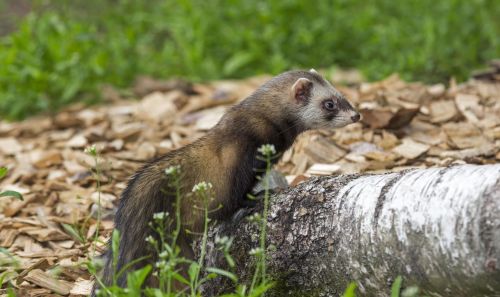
256	217
173	170
150	239
221	240
202	187
163	255
159	216
255	251
267	150
91	150
161	264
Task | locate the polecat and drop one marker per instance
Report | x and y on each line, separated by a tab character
226	156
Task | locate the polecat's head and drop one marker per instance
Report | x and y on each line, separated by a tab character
318	103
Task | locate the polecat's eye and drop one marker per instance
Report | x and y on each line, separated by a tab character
329	105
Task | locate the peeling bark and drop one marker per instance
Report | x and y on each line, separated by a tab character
439	228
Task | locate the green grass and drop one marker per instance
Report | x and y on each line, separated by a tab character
65	50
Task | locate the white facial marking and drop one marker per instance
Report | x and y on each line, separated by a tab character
312	70
314	116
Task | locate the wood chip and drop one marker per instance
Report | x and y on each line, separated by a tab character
47	234
82	287
437	90
46	159
402	118
209	118
40	264
10	146
159	107
380	156
321	150
106	199
8	235
442	111
376	118
469	107
44	280
388	140
485	150
128	132
410	149
145	151
77	141
46	253
465	135
323	169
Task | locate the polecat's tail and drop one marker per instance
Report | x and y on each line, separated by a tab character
143	197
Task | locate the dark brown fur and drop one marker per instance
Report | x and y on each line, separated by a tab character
226	157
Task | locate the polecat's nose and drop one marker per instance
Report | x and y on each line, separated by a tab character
355	117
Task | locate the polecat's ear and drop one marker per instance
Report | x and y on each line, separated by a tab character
301	90
312	70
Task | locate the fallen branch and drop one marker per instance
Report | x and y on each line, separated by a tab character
439	228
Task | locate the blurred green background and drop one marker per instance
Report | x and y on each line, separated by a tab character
54	52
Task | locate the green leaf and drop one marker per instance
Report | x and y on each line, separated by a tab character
261	289
12	194
11	292
4	277
73	232
115	242
135	279
396	286
129	265
223	272
193	270
180	278
12	261
236	62
230	260
351	290
3	172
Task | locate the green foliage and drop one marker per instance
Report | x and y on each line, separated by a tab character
396	286
47	63
3	172
8	193
169	264
14	194
350	291
8	263
63	53
74	232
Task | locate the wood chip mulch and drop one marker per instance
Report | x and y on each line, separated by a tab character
404	125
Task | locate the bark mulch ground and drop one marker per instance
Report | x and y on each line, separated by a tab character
49	234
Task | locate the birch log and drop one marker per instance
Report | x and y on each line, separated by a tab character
438	228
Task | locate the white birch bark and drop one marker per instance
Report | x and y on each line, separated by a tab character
439	228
